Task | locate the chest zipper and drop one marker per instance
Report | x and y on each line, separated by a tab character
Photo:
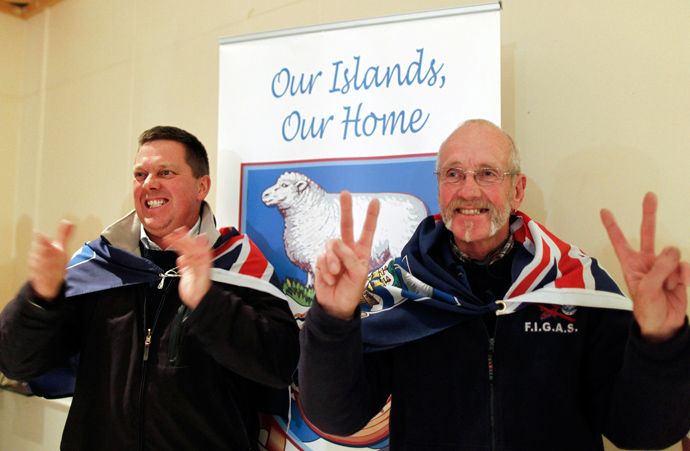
147	344
148	336
492	400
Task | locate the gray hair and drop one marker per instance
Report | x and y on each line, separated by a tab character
514	152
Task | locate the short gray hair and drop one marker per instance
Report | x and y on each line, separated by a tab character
514	152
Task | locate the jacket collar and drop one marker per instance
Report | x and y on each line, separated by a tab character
125	232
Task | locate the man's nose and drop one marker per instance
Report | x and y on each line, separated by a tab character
468	188
150	182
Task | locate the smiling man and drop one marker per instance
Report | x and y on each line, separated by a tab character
167	189
489	332
179	331
476	211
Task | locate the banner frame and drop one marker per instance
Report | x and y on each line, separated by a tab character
432	14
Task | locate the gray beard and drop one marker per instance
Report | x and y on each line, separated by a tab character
497	217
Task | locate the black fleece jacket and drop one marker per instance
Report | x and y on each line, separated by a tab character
537	379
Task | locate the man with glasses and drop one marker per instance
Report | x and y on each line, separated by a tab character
489	332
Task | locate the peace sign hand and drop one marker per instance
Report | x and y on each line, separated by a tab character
341	272
657	283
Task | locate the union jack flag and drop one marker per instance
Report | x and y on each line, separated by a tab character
414	296
100	266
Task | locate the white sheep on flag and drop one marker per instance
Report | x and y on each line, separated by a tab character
312	217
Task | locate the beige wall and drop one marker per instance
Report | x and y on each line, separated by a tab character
12	33
595	93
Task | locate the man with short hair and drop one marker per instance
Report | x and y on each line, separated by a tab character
489	332
180	334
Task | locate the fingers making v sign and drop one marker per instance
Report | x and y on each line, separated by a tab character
341	272
657	283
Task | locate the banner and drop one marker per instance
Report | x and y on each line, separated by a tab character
361	106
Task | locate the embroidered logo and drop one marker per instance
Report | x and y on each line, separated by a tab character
565	312
554	319
549	327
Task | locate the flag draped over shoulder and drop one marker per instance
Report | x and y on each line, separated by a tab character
100	266
414	296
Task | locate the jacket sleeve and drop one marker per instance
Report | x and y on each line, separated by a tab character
35	335
249	332
650	402
340	387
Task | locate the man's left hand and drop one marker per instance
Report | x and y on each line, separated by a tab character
194	264
657	283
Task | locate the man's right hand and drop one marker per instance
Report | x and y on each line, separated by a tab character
341	272
48	261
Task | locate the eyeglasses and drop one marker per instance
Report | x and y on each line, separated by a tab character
483	176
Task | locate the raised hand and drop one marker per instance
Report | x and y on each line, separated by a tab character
48	261
194	263
341	272
657	283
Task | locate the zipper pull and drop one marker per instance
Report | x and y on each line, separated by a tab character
147	344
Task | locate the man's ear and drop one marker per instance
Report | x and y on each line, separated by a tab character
203	186
518	193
